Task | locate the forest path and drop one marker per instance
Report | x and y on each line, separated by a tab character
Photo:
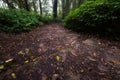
51	52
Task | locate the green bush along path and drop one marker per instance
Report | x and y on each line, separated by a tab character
99	17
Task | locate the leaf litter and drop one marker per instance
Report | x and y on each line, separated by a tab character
58	54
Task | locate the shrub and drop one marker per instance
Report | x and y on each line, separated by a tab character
45	19
16	20
100	16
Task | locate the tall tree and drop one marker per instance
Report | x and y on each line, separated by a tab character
40	6
45	6
66	7
20	4
79	2
34	5
23	4
63	8
26	5
74	4
55	8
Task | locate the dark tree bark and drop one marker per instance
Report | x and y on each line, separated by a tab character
40	5
55	8
34	5
74	4
68	4
80	2
21	4
27	6
63	9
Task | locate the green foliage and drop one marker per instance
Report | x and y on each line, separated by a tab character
45	19
16	20
100	16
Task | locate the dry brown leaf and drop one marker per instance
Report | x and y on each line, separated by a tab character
94	54
39	50
116	62
44	77
72	42
54	77
83	62
90	58
73	53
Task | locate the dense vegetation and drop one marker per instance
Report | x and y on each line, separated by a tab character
100	16
16	20
24	15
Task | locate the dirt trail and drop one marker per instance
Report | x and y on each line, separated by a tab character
51	52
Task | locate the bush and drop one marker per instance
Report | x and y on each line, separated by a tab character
45	19
16	20
100	16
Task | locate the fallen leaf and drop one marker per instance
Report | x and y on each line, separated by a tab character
83	62
1	66
58	58
72	42
81	70
21	52
13	75
35	59
44	77
26	61
94	54
55	77
26	50
99	43
9	60
90	58
116	62
39	50
73	53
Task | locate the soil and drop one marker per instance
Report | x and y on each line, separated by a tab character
52	52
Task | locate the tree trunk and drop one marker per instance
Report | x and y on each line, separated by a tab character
63	9
40	5
27	7
34	6
80	2
55	9
20	4
68	6
74	4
